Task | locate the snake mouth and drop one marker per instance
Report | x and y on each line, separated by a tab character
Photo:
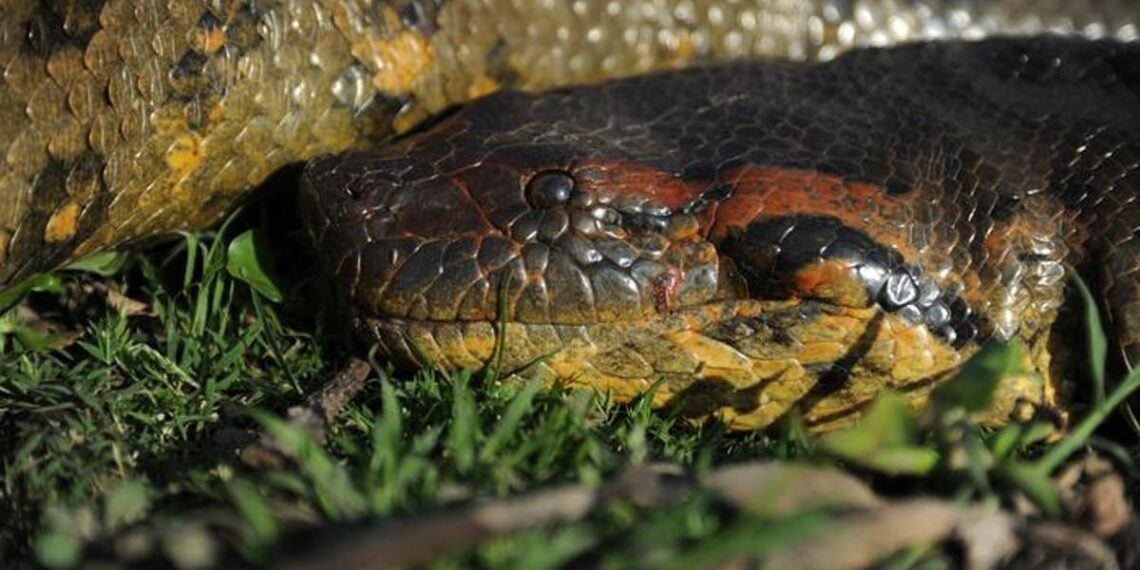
746	361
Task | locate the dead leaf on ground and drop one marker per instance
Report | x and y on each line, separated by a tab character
861	538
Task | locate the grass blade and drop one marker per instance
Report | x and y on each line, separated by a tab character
1097	343
1084	430
509	425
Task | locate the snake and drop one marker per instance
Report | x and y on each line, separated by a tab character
746	238
621	235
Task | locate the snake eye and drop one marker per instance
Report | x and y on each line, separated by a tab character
549	188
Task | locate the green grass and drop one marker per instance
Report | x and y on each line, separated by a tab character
121	427
136	410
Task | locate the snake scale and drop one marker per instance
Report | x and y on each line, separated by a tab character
125	120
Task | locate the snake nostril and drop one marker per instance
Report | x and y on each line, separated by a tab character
550	188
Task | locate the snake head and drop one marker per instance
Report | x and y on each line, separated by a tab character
737	234
462	224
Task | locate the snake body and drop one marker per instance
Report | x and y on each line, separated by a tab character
755	235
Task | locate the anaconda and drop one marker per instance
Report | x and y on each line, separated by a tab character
124	120
756	235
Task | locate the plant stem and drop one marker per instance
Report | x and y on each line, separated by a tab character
1088	425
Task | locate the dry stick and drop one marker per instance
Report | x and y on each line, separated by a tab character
315	416
326	404
426	538
861	538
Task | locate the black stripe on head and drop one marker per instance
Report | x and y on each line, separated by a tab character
770	252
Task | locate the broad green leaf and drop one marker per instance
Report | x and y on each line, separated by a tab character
103	263
36	341
887	423
250	260
972	389
1003	443
1038	432
976	457
1097	343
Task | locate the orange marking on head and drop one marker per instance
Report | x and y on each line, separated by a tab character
207	40
761	191
656	186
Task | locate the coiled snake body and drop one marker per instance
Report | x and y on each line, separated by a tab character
755	235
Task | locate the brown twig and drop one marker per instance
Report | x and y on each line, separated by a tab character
315	416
